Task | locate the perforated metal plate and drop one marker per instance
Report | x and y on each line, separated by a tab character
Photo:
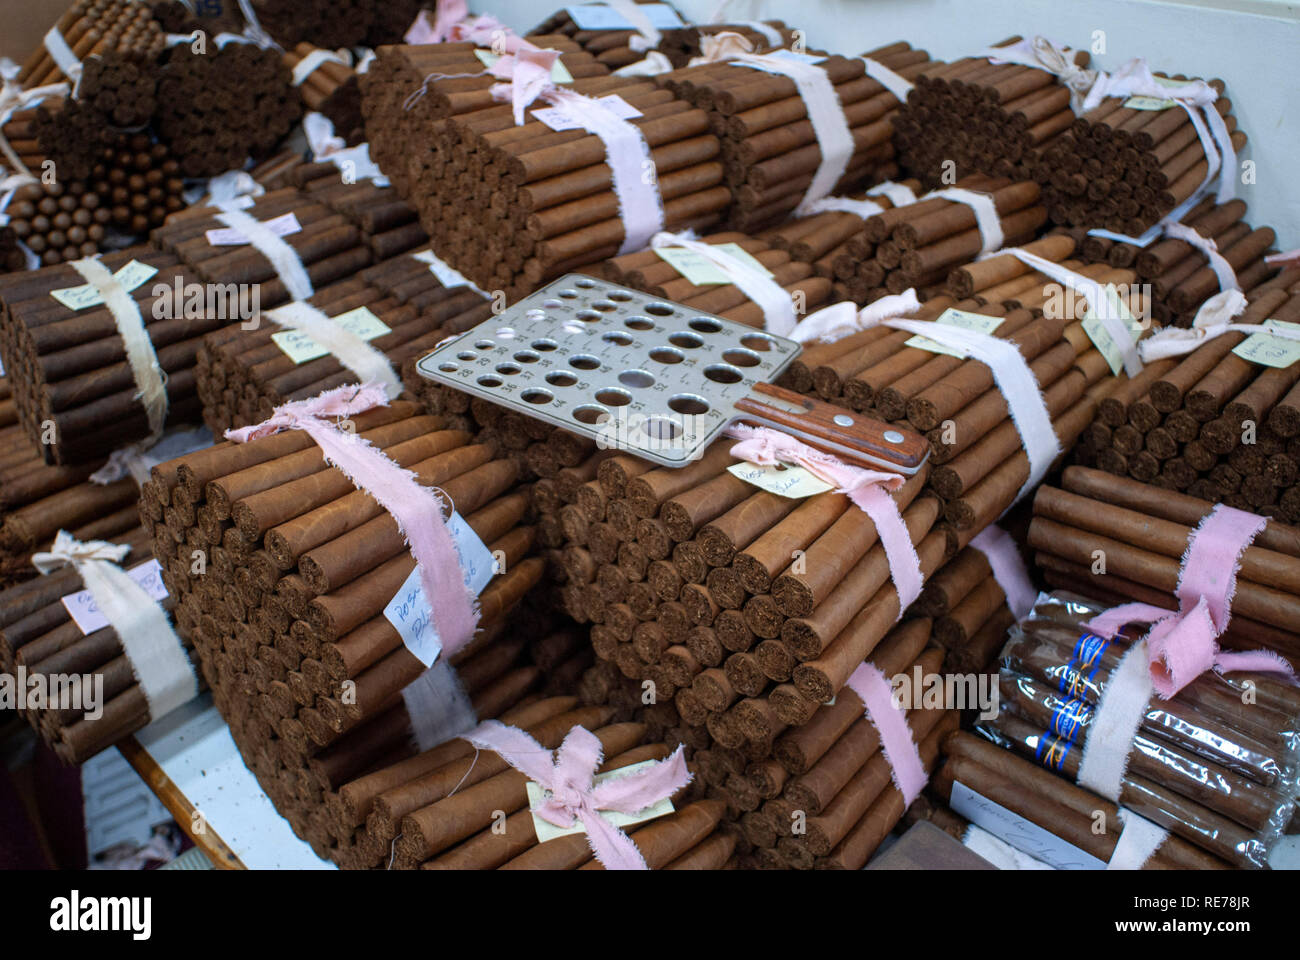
604	361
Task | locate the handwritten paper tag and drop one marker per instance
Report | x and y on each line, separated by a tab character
956	318
537	795
284	226
784	480
410	612
1268	350
702	272
559	72
562	118
85	612
601	16
300	348
130	277
1013	829
1101	337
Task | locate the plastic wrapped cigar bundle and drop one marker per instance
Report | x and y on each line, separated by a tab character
1214	765
1212	423
1144	532
330	88
37	501
90	691
994	118
649	271
287	606
74	390
769	146
1127	162
329	23
611	47
978	777
1180	274
96	29
218	108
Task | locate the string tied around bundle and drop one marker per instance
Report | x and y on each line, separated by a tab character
1058	60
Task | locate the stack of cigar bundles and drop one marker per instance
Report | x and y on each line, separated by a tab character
975	115
1214	765
770	147
95	29
1220	423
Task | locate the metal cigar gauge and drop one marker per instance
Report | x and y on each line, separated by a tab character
649	376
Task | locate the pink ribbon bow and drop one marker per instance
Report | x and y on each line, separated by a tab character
452	22
529	71
574	796
416	509
1183	644
868	489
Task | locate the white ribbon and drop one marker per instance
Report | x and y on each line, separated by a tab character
1221	267
12	99
152	648
896	84
1015	380
448	275
1115	723
648	37
898	194
137	462
845	319
771	35
282	257
1041	54
231	188
62	55
1091	291
253	31
825	113
1138	841
315	60
439	708
150	379
986	214
775	302
351	351
654	64
1213	320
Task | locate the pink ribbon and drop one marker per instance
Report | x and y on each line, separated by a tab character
575	796
868	489
1290	258
1008	569
529	71
452	23
417	510
896	743
1184	644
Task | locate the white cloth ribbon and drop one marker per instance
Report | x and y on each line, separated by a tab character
283	258
986	214
825	113
1115	723
150	378
771	297
350	350
1091	291
654	64
317	59
897	194
771	36
1138	841
1212	320
647	36
1041	54
152	648
845	319
1221	267
896	84
438	706
63	56
253	29
231	188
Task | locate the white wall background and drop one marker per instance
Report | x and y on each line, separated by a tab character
1253	45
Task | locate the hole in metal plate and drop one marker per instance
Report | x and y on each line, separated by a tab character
742	358
590	414
618	337
661	428
484	345
506	333
620	296
527	356
638	379
705	325
689	404
614	398
583	362
604	306
584	283
567	294
562	378
588	316
688	341
639	323
666	355
489	381
449	367
544	345
467	356
572	326
509	369
758	341
659	310
537	395
536	314
721	373
552	304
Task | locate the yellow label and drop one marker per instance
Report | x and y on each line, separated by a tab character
1268	350
546	830
300	348
784	480
701	271
79	298
1101	337
956	318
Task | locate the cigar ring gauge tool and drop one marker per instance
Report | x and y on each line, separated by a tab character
652	377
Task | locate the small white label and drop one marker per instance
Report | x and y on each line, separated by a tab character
702	271
284	226
130	277
300	348
601	16
784	480
1101	337
447	275
1011	828
1268	350
546	830
85	612
559	72
963	319
562	118
410	612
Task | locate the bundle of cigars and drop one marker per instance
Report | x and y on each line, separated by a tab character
95	28
330	24
683	44
1213	765
177	16
770	150
611	47
975	115
42	642
1221	423
329	88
